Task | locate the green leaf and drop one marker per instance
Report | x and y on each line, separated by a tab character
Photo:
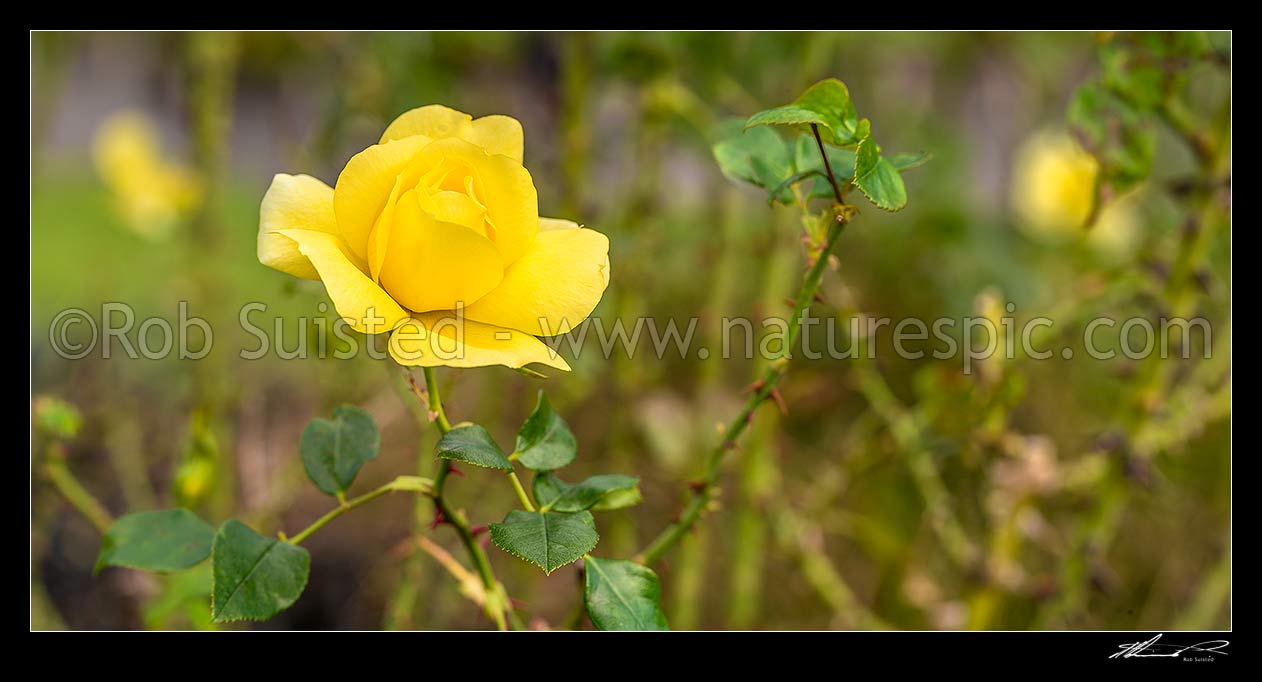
601	492
789	115
548	540
758	156
907	161
545	441
162	541
255	577
806	159
182	603
473	445
333	450
622	595
826	104
831	99
877	179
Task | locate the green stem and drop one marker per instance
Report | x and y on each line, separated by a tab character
342	508
672	534
521	492
457	521
74	492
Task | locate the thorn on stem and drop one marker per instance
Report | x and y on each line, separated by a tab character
756	386
775	395
439	519
453	469
478	530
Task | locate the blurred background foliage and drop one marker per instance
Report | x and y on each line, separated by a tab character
892	493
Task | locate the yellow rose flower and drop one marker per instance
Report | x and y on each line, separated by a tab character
151	194
1053	190
434	234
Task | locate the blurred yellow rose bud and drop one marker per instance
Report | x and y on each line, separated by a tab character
1053	192
151	194
434	235
193	481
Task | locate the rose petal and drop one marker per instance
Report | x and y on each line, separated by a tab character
434	121
499	135
365	306
364	186
443	338
553	287
435	265
504	187
293	202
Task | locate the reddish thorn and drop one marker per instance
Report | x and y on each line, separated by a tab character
485	541
696	486
439	519
791	302
819	298
756	386
775	395
749	419
452	468
478	530
517	604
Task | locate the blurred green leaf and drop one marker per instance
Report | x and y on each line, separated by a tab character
622	595
545	441
473	445
548	540
601	492
255	577
183	602
905	161
161	541
877	178
333	450
758	156
1112	130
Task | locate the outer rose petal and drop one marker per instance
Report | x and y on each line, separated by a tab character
506	187
365	184
434	121
553	287
355	296
499	135
556	224
496	134
434	265
443	338
293	202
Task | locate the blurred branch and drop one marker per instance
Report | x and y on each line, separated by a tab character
68	486
764	388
